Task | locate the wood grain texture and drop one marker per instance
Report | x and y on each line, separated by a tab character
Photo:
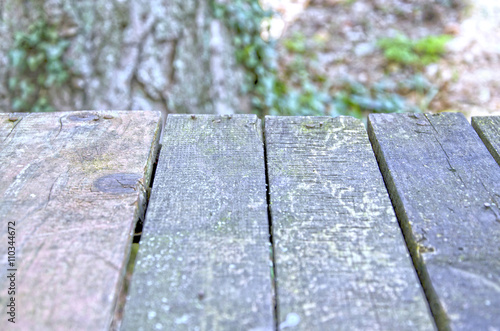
74	184
204	257
488	129
341	261
445	187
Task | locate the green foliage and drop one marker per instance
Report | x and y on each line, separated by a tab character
37	62
356	99
349	2
432	47
417	53
398	49
296	44
297	90
270	94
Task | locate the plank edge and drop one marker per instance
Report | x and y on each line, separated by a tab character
476	125
437	310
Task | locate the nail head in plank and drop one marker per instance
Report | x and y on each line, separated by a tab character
445	187
72	236
488	128
204	259
340	255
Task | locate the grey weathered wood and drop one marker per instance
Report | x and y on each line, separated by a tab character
340	257
445	187
73	183
488	129
204	257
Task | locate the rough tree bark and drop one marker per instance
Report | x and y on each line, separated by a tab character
168	55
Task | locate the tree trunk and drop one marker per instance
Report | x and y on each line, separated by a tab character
168	55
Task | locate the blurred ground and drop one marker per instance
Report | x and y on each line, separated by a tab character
342	35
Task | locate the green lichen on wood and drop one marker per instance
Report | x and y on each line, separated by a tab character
448	213
334	228
204	249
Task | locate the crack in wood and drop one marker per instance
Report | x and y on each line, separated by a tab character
12	130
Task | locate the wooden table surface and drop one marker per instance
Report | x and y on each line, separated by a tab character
299	223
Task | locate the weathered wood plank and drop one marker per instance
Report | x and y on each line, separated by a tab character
445	187
204	257
340	257
488	129
73	183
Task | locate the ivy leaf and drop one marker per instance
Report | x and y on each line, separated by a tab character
12	83
33	39
17	104
34	61
17	57
51	34
56	51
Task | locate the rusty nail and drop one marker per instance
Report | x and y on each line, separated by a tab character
108	116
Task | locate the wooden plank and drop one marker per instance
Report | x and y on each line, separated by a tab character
341	261
73	184
204	257
445	187
488	129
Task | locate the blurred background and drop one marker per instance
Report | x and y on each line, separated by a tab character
281	57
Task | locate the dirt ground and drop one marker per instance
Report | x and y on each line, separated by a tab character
467	78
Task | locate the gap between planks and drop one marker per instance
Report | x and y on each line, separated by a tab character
328	249
76	158
125	286
271	239
444	187
270	220
274	274
181	213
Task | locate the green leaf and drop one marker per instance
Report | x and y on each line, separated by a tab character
54	52
17	57
17	105
50	80
432	45
12	83
51	34
34	38
62	77
34	61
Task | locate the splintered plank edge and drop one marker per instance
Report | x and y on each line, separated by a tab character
204	257
445	187
74	184
340	256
